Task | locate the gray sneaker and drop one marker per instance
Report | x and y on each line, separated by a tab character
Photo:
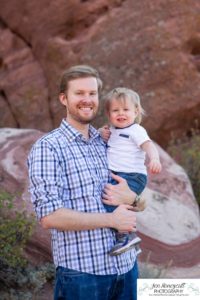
137	249
124	243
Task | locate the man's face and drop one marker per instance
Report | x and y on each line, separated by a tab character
81	100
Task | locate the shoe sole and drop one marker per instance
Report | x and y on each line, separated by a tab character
136	241
125	247
138	251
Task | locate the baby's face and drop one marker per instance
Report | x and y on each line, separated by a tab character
122	113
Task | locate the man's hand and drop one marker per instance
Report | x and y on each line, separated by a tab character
123	219
121	194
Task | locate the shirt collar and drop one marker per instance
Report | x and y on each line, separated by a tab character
71	133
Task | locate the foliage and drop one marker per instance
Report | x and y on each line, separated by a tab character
18	280
15	230
186	151
24	283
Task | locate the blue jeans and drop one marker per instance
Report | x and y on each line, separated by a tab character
136	183
74	285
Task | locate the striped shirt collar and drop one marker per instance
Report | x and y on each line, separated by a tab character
71	133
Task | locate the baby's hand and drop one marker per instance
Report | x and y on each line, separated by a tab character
155	166
105	133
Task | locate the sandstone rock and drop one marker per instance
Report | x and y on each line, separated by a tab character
14	147
6	115
147	46
169	227
152	47
23	86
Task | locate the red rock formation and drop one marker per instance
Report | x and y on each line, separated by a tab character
24	91
15	145
150	46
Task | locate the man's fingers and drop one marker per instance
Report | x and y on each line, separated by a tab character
105	201
117	178
105	197
128	207
108	190
108	186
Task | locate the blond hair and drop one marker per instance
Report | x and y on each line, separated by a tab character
122	94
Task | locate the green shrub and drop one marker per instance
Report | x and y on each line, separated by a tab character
15	230
18	280
24	283
186	151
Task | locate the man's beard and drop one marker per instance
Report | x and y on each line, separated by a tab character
88	121
81	119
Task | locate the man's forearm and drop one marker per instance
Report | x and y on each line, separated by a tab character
122	219
68	219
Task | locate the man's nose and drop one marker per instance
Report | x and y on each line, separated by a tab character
87	98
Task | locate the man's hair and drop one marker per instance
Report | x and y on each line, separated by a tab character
122	94
76	72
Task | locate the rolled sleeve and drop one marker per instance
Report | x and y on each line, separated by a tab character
45	181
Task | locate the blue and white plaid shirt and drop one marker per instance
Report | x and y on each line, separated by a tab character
66	170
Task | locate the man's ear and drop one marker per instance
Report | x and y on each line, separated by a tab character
63	99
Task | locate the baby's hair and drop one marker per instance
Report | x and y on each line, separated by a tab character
122	94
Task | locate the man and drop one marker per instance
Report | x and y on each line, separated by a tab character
68	172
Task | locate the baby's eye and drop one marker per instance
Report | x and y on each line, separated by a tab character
126	109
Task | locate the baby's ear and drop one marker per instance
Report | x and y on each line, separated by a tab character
136	111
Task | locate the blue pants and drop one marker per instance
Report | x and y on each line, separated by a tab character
136	183
74	285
